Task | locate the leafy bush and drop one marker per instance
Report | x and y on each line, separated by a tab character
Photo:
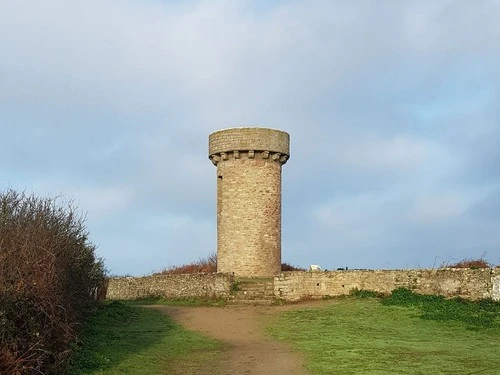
49	278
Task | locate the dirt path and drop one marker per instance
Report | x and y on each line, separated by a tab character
249	351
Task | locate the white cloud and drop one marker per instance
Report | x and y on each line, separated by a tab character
374	152
101	202
112	103
430	209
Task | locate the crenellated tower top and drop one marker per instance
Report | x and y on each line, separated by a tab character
250	143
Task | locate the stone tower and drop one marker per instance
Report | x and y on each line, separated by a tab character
249	164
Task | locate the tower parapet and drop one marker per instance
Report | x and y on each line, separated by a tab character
249	164
260	143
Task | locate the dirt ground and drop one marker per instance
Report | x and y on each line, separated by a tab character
248	350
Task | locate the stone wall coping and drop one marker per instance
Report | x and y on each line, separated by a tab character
179	275
393	269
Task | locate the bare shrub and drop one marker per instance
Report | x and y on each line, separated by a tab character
49	276
288	267
203	265
209	265
470	263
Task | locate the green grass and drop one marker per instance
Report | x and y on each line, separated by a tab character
125	339
235	286
474	314
362	293
365	336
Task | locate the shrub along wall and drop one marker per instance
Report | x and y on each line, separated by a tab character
449	282
209	285
49	275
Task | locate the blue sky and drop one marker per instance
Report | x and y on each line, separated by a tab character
393	108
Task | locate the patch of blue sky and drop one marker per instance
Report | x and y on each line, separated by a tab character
461	90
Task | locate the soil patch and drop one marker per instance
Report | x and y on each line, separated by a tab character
248	350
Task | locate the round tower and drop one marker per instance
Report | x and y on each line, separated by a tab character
249	164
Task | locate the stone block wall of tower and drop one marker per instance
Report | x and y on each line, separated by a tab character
249	164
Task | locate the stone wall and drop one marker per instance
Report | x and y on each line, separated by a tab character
449	282
293	286
214	285
495	281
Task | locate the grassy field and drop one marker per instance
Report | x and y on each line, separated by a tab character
403	334
127	339
362	334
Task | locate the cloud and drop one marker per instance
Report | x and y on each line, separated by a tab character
398	154
99	201
488	208
392	107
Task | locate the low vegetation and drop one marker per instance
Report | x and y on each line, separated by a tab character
288	267
209	265
362	293
50	278
403	333
203	265
469	263
473	314
126	339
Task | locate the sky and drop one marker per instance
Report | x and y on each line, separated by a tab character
393	108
